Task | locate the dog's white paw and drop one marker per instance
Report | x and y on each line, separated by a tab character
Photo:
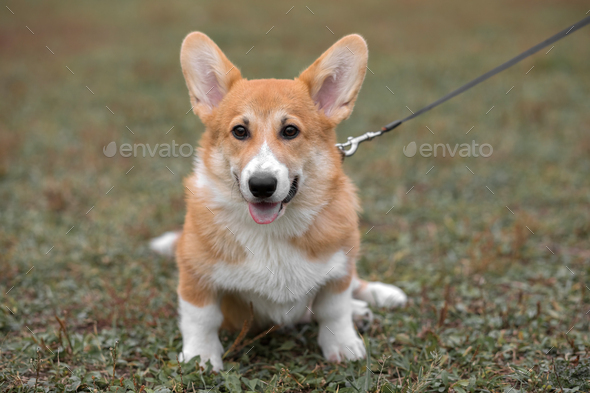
199	327
211	354
378	294
341	344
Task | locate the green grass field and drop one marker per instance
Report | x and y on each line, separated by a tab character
493	252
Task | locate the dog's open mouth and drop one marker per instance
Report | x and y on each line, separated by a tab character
267	212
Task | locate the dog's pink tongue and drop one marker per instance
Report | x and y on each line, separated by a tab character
264	213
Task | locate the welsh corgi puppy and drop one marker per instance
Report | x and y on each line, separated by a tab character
271	230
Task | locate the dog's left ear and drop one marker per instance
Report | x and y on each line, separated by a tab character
334	80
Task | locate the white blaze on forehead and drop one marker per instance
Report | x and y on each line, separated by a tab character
265	163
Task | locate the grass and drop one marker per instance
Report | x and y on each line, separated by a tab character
496	262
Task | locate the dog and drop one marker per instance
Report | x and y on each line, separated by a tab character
271	230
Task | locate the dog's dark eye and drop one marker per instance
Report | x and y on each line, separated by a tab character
289	132
240	132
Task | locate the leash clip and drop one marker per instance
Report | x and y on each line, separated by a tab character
354	143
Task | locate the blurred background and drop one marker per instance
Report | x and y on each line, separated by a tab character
493	251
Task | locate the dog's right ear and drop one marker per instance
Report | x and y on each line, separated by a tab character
208	73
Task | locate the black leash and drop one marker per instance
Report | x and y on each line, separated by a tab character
354	142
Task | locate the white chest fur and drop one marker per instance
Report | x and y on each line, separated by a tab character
278	280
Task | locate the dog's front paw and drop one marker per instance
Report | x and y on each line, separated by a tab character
378	294
341	344
211	354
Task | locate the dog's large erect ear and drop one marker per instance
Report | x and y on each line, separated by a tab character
208	73
335	79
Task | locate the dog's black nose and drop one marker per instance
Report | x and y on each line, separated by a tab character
262	186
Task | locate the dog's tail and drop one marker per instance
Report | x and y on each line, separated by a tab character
165	244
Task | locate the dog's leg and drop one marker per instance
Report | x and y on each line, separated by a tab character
378	294
200	319
199	327
333	311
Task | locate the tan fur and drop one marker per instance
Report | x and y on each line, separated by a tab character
235	312
265	104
